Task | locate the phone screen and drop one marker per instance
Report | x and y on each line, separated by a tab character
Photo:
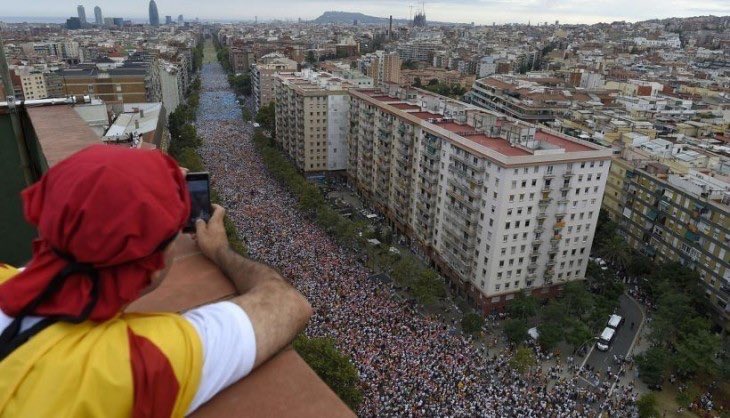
199	199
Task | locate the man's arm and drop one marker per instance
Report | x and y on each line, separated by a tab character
277	311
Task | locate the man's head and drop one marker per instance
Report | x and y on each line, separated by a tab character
105	211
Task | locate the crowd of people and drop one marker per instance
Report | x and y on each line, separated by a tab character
409	364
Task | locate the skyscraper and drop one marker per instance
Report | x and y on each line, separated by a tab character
180	20
154	15
82	14
98	17
168	20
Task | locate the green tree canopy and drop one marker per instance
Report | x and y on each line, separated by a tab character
516	330
266	117
336	369
647	406
472	323
523	359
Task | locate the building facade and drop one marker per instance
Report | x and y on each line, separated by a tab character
262	77
675	217
312	120
499	206
154	14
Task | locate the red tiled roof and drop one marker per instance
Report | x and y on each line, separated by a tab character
385	98
425	115
405	106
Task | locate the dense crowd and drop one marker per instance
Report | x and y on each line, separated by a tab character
409	364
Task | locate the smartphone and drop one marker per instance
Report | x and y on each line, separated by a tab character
199	189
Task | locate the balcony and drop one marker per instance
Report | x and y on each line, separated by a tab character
555	239
548	175
568	174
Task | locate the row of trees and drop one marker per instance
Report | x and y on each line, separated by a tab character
424	283
453	90
682	341
681	338
333	367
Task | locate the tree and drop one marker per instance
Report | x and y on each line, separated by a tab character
266	117
515	330
550	335
405	270
311	59
522	359
522	306
417	82
578	334
428	288
652	364
615	251
331	366
696	354
647	406
472	323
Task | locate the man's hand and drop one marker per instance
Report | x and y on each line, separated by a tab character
211	237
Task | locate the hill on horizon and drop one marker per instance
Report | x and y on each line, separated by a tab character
349	17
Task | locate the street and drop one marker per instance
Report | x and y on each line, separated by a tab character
600	361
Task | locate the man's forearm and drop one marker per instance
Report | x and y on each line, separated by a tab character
245	273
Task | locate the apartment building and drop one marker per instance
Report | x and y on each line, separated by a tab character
672	216
312	120
262	77
523	98
124	84
500	206
34	85
382	67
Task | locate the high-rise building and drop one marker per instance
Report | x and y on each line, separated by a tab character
168	20
73	23
82	14
98	17
312	121
381	66
180	20
499	205
262	76
154	14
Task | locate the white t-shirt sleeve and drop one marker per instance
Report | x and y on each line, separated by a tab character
229	347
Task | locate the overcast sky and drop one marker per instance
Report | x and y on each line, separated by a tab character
478	11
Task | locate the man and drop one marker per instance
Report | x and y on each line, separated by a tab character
106	220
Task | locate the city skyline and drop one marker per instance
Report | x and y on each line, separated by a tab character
457	11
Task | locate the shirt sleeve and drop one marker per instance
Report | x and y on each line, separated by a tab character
229	347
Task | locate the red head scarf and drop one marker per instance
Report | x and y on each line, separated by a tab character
106	206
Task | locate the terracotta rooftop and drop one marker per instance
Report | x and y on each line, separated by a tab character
405	106
60	131
283	386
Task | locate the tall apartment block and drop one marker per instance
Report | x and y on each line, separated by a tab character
674	216
500	206
312	120
262	76
383	67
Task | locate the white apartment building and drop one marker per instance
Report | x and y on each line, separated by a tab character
312	120
499	205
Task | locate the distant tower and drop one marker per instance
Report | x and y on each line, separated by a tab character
82	14
168	20
154	15
180	20
419	20
390	28
98	17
